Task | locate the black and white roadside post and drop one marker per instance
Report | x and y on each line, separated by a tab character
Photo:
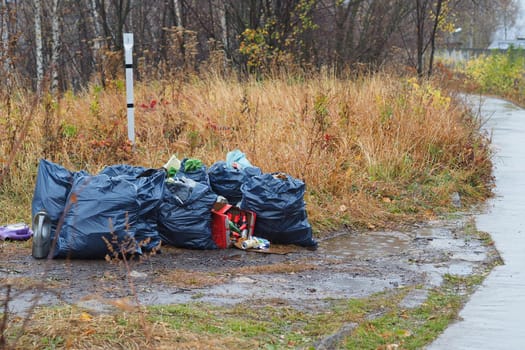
128	54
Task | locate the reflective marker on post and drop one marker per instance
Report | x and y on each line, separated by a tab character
128	53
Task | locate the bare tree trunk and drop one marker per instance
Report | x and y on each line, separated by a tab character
39	47
421	8
4	13
56	44
97	53
104	17
221	6
178	13
344	18
433	36
96	24
123	9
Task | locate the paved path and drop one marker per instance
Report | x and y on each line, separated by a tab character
494	318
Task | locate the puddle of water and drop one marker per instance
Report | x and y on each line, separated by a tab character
23	302
307	288
165	297
294	289
434	272
414	298
349	265
439	229
460	249
332	286
368	245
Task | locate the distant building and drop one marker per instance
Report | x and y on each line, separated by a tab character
519	42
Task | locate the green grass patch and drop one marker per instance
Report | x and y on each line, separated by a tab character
379	320
417	327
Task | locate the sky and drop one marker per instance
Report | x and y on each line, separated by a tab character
517	30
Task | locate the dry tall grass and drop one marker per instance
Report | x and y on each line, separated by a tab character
371	151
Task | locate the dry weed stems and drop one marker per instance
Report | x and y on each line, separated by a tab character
372	151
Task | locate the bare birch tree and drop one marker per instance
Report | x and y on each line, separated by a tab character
4	17
95	19
221	6
56	44
39	50
178	13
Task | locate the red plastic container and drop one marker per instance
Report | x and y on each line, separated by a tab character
220	230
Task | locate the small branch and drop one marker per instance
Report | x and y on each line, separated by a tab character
3	325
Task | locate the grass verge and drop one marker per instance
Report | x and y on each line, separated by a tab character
379	322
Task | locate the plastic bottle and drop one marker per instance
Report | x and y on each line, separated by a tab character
250	243
244	227
233	227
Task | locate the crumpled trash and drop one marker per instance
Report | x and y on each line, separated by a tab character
252	243
237	159
53	184
15	232
192	164
172	166
118	205
100	220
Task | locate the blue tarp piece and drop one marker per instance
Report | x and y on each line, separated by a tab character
100	220
278	201
184	214
226	180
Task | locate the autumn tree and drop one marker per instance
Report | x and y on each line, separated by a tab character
507	14
7	36
429	17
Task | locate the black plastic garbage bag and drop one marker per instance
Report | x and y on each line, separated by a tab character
150	183
278	201
123	169
100	220
197	173
150	194
53	185
226	180
150	189
184	215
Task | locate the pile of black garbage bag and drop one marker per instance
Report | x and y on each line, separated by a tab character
128	209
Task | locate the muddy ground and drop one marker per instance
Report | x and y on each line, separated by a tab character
347	264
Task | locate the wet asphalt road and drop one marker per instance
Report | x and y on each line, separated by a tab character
494	318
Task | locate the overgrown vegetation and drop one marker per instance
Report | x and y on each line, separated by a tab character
500	74
372	151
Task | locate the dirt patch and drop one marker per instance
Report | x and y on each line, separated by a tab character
346	265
